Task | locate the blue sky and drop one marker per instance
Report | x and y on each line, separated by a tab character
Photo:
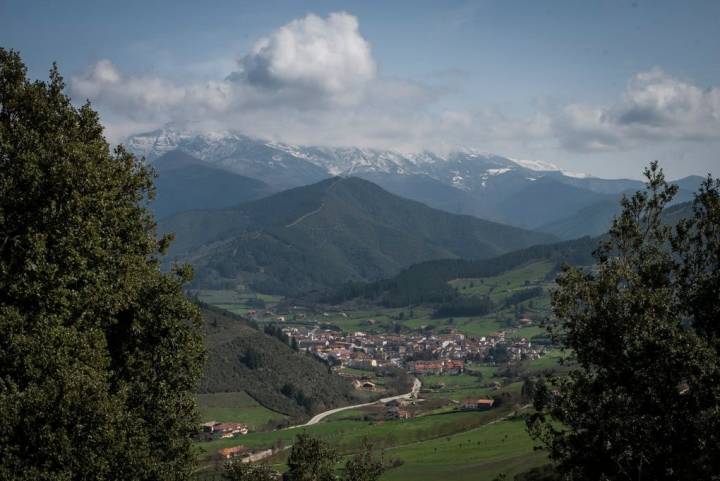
593	86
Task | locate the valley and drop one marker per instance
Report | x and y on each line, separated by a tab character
404	302
359	241
491	356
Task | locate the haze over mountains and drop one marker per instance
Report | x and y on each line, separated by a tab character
186	183
529	194
287	219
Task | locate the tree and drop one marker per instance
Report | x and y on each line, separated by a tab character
499	354
527	392
644	401
311	460
239	471
100	352
365	465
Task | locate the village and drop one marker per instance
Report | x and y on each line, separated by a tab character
418	353
361	357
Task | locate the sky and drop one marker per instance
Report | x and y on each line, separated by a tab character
601	87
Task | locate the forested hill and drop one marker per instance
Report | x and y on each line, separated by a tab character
427	282
327	233
186	183
243	358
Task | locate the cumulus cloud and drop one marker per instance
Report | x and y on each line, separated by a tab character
323	59
654	107
311	63
315	81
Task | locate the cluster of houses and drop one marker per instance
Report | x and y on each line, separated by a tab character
445	353
450	367
215	430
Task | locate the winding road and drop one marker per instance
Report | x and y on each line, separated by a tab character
319	417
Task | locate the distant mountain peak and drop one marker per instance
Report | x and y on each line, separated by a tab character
226	147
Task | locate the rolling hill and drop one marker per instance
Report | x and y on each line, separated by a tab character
337	230
595	218
242	358
428	282
185	183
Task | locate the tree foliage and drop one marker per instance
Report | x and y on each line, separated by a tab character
644	401
239	471
311	459
100	352
365	465
242	357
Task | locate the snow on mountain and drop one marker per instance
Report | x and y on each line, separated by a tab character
537	165
576	175
287	164
542	166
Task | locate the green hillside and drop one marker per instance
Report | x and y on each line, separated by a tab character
186	183
427	282
328	233
242	358
595	219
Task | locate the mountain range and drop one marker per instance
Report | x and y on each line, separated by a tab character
336	230
528	194
186	183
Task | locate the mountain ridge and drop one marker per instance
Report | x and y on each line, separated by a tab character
185	182
464	181
335	230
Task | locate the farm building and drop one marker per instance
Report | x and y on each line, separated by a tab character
478	404
229	453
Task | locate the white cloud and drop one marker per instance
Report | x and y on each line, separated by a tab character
146	97
654	107
326	59
314	81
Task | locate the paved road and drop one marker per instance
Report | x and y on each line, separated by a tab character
319	417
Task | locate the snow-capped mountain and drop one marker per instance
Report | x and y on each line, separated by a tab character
524	193
231	151
465	169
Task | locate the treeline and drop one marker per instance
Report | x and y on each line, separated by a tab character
427	282
465	307
523	295
299	396
244	358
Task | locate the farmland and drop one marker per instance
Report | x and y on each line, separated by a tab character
439	440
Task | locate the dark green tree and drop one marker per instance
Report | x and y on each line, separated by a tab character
311	459
365	465
239	471
644	401
100	352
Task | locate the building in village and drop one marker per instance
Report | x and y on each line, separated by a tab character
478	404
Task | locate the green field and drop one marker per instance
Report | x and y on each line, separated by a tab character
500	286
440	442
235	301
554	360
454	445
379	319
478	455
235	407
